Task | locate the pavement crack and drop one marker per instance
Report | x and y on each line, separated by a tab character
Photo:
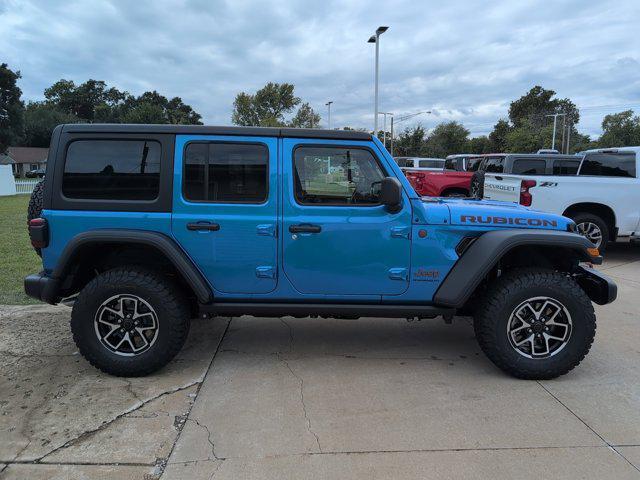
611	446
218	465
304	406
290	334
102	426
211	442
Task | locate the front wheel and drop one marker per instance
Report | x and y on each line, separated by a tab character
130	322
535	324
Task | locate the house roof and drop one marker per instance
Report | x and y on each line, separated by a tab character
5	159
28	154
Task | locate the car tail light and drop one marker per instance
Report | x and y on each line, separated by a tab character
525	194
39	232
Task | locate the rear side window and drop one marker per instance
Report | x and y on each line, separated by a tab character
225	172
529	166
430	163
566	167
404	162
450	164
336	176
494	165
112	170
611	164
473	164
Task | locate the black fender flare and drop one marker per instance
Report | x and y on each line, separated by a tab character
163	243
484	253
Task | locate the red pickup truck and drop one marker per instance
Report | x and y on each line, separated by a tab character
453	181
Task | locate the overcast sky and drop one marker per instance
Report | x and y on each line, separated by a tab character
463	60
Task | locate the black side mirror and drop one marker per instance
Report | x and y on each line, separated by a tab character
391	194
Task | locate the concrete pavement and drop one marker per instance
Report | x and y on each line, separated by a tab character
315	398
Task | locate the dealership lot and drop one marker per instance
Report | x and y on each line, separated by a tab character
303	398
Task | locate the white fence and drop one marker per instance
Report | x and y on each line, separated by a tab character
26	185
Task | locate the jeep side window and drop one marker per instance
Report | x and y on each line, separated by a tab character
225	172
336	176
609	164
529	166
112	170
565	167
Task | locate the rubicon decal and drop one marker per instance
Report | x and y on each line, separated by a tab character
490	220
426	275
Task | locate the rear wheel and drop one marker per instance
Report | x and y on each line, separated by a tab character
594	228
130	322
535	324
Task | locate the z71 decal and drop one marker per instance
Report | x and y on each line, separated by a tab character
490	220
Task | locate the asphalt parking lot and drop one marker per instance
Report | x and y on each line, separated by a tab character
313	398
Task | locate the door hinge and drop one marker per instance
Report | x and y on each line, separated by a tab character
400	232
267	230
398	274
265	271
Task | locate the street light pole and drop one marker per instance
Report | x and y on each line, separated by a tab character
555	120
376	39
384	126
328	104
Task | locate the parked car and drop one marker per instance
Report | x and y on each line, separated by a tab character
37	173
142	227
420	163
599	189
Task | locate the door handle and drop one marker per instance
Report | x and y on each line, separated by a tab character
212	227
305	228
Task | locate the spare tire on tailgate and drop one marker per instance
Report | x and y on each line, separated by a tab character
35	205
477	184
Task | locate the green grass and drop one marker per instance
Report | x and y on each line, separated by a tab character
17	258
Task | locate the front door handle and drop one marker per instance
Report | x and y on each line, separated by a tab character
305	228
212	227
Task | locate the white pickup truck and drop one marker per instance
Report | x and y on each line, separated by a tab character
599	190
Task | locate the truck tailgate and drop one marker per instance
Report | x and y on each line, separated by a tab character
502	187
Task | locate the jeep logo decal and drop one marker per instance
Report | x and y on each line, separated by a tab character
532	222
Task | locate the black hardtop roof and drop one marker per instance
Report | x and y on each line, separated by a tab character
212	130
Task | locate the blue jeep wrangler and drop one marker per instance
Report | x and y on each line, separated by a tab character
143	227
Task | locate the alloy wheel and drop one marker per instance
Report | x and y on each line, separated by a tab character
539	327
126	325
591	231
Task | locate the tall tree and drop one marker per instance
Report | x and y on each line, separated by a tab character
481	144
11	108
446	139
498	136
538	102
305	117
410	142
620	130
40	119
269	106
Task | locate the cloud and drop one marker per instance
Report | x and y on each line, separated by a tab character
462	60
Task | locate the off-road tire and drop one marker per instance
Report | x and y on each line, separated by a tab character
516	286
163	295
35	205
584	217
477	185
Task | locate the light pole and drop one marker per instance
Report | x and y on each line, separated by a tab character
328	104
555	120
376	39
384	126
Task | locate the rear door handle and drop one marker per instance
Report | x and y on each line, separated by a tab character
305	228
212	227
